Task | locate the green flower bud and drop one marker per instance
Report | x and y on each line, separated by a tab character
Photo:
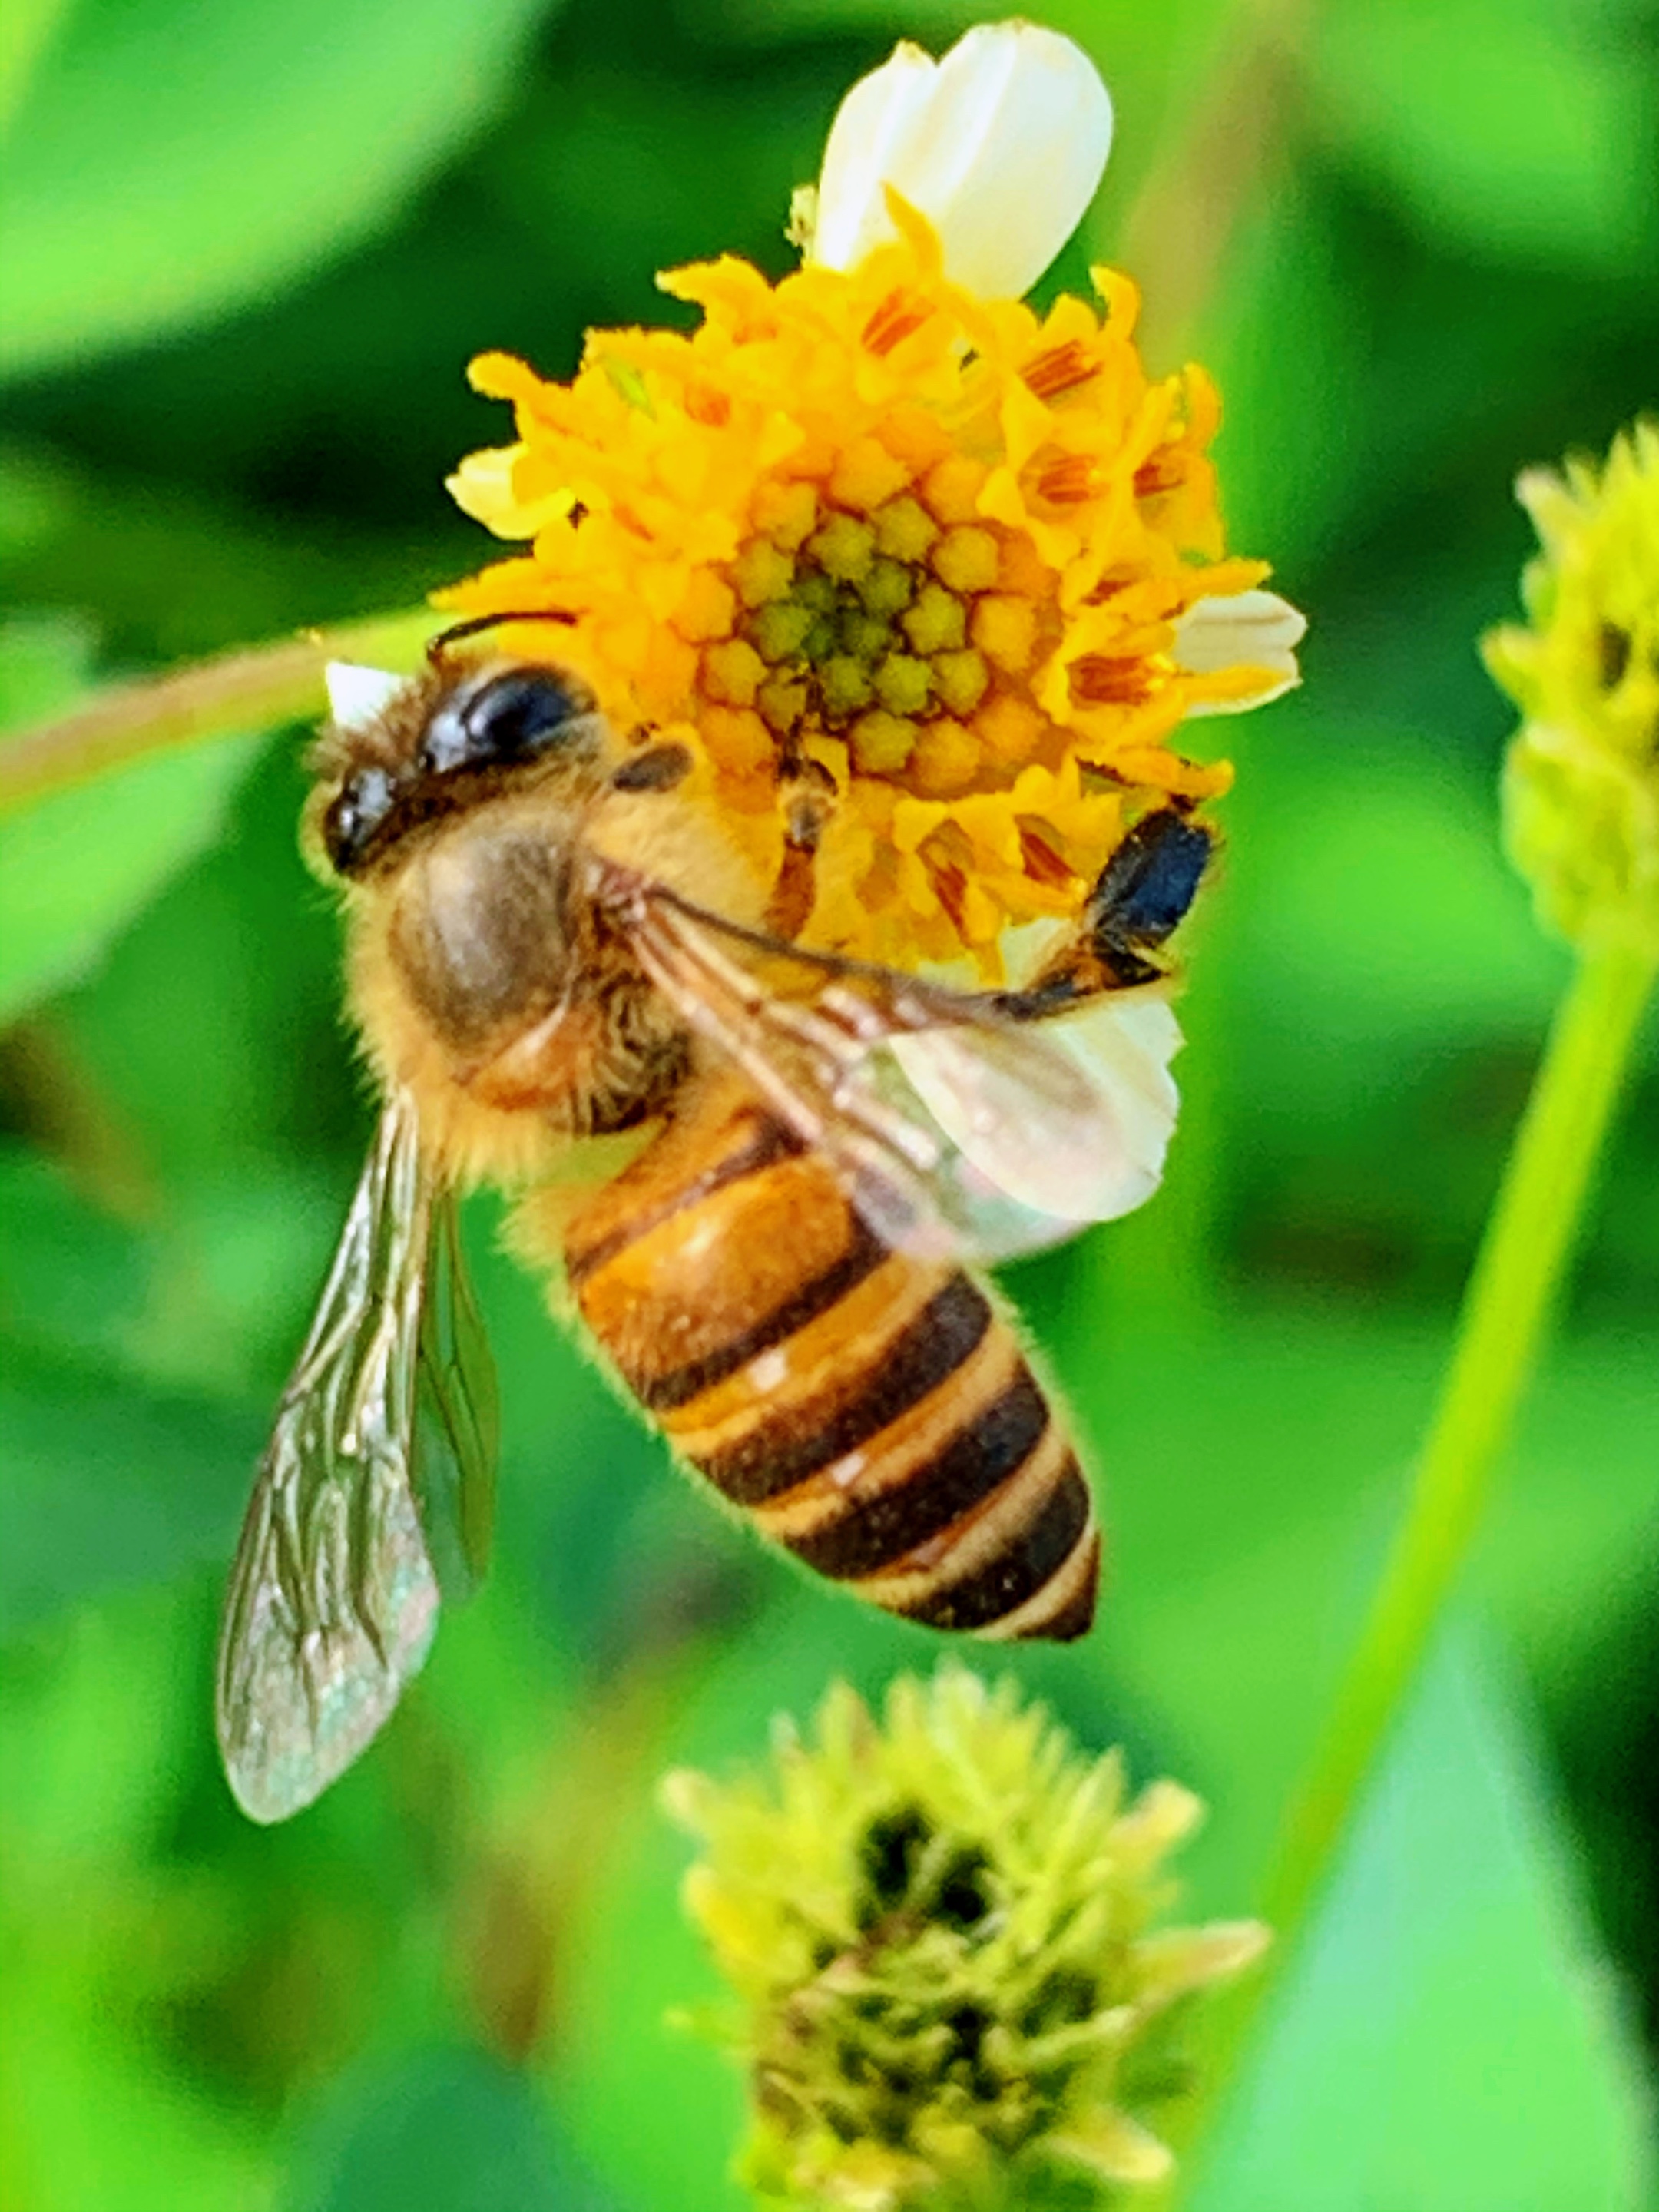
1580	783
938	1927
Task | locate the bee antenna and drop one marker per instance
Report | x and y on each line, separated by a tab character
475	624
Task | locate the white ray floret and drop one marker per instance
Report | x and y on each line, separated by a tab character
1123	1048
1000	145
1250	630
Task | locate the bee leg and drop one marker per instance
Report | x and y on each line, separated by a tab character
1147	886
809	802
1143	893
658	768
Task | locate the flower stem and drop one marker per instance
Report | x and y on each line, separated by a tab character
254	687
1523	1256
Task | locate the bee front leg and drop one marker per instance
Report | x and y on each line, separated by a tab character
809	802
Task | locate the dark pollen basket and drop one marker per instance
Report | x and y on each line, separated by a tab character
1148	885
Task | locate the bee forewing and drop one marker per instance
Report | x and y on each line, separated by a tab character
333	1600
958	1131
1069	1151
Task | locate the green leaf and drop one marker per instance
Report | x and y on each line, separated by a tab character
91	2118
171	162
78	865
99	1721
109	1485
1372	915
173	574
441	2132
114	1478
1448	2040
45	658
1283	330
1517	129
35	507
75	1279
25	29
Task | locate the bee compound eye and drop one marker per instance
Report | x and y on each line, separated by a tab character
522	716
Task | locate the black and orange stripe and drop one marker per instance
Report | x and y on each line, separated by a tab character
872	1414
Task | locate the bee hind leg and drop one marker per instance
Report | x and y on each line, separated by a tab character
1142	894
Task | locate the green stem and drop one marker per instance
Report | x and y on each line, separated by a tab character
255	687
1524	1257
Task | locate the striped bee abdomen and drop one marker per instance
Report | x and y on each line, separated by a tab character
872	1414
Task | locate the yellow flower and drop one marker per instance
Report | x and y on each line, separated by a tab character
940	1930
1581	782
883	530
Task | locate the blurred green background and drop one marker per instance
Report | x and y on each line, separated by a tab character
248	251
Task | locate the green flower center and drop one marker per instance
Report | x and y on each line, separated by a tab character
872	627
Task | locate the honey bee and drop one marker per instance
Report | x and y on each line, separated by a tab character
548	943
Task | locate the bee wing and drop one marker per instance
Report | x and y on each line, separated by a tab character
333	1600
458	1413
1121	1046
958	1130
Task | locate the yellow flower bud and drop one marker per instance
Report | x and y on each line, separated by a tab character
1580	783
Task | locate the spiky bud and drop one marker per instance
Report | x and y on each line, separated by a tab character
1580	783
940	1928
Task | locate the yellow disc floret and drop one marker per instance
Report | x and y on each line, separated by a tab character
863	528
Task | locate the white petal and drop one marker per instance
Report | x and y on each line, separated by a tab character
1000	145
1127	1046
1123	1048
1248	629
358	695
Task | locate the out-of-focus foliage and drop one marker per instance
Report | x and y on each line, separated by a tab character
245	145
249	249
74	869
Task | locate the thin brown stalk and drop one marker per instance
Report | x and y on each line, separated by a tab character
254	687
1217	158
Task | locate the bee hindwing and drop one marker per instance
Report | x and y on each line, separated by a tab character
334	1599
458	1413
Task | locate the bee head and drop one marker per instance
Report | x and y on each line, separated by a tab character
444	743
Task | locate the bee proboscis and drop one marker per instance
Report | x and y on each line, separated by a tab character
548	943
